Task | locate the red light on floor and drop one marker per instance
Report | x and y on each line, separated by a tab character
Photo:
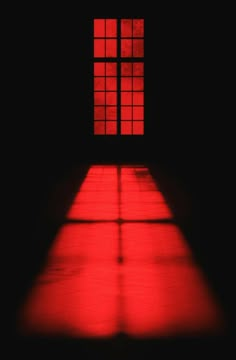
168	300
115	271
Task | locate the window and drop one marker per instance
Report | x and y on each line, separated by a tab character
118	77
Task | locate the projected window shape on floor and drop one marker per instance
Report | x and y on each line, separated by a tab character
120	264
118	77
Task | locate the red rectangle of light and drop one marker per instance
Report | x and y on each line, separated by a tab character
126	28
99	28
126	48
111	48
111	28
99	48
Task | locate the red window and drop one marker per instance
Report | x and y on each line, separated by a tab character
118	76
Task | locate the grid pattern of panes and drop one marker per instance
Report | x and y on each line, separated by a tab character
118	85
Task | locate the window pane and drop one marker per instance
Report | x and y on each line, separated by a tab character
126	113
99	112
111	98
126	69
99	28
126	48
111	69
138	48
99	127
138	83
111	83
110	28
126	28
138	113
111	113
138	28
126	98
99	48
99	83
126	127
138	98
111	48
99	98
111	128
138	69
138	127
99	69
126	83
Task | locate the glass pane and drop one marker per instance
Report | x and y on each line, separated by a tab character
126	98
138	83
99	48
99	98
138	28
126	69
111	128
111	28
138	113
126	113
111	69
126	83
111	48
138	127
126	48
138	69
126	28
99	83
138	98
111	98
111	113
126	127
99	112
99	28
99	69
99	127
138	48
111	83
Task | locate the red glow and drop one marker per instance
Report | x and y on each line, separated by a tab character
111	127
99	48
126	98
111	98
85	291
111	48
126	48
111	28
138	28
126	127
99	83
111	69
126	28
99	98
99	127
138	69
176	301
110	83
126	113
99	28
99	113
99	69
138	98
138	83
126	83
138	112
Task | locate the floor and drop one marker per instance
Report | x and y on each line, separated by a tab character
118	274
